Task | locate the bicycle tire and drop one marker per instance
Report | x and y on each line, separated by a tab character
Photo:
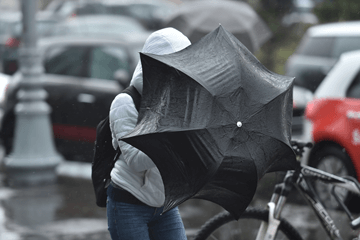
253	213
335	160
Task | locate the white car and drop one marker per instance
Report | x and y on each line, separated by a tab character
339	80
318	51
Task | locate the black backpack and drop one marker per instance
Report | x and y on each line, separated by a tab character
104	154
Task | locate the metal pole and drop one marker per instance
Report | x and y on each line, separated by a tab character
33	159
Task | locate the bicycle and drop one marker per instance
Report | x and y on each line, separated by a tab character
271	224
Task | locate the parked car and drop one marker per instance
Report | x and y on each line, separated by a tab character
61	8
318	51
100	24
82	76
64	9
334	124
10	36
150	13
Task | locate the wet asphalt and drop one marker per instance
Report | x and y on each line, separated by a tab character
66	210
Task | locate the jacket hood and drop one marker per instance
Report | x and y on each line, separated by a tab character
164	41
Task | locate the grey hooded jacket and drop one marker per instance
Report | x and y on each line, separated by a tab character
134	170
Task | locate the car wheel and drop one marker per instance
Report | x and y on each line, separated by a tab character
335	160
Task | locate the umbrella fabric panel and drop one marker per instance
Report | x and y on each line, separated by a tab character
267	153
274	119
233	186
207	65
184	164
177	102
235	181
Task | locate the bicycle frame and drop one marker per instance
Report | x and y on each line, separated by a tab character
300	179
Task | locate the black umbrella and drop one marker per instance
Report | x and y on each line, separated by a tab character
214	120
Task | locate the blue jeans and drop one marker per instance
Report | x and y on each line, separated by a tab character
141	222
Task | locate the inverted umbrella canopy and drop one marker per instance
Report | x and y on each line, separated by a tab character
198	18
214	120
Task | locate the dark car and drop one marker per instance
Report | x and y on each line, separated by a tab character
82	76
10	36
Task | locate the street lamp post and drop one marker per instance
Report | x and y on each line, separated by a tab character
33	159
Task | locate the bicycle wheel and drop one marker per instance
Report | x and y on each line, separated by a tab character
333	159
223	226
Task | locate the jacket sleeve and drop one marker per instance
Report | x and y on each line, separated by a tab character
123	117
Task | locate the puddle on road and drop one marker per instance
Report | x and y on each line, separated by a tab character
6	234
40	212
75	226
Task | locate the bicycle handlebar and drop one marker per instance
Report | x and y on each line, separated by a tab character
300	144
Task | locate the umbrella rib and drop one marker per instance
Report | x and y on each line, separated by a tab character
222	107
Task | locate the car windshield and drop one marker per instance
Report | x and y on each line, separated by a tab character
316	46
95	61
64	9
87	9
137	10
354	90
345	44
66	60
106	60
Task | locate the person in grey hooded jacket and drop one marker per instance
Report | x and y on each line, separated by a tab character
136	193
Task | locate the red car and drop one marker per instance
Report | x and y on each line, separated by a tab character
336	136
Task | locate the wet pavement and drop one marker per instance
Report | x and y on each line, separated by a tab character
61	211
66	210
